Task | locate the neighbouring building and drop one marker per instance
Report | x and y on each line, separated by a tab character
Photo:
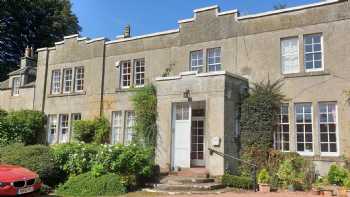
200	71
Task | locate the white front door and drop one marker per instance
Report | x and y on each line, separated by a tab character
182	135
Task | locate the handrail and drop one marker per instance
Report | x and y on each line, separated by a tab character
211	151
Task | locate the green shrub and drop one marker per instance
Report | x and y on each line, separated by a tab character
37	158
130	160
102	130
337	175
89	185
259	113
75	159
25	126
263	177
84	130
237	181
98	170
89	131
272	159
3	113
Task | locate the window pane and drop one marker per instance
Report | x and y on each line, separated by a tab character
300	147
324	147
333	147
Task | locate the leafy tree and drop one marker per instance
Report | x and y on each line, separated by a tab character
36	23
145	106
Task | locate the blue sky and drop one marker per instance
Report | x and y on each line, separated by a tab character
106	18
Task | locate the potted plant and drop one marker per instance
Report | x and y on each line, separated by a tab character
289	176
264	181
320	185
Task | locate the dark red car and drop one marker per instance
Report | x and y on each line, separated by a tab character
16	180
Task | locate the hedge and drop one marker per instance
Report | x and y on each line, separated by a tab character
90	185
241	182
37	158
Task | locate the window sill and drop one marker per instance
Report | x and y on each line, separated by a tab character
67	94
134	89
306	74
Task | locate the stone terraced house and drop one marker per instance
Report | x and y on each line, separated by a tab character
200	71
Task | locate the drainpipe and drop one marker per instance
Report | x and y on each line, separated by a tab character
103	78
45	81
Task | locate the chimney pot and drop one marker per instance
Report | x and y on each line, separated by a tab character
127	32
27	52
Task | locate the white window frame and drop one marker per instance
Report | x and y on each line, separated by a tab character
313	52
195	58
63	127
52	125
67	80
16	84
279	137
337	153
289	55
139	75
56	82
117	127
79	75
126	74
215	64
129	127
304	153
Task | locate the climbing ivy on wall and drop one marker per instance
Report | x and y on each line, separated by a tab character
145	107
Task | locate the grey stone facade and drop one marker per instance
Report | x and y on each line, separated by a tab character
249	49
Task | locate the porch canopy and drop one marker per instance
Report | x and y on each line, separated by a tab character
197	111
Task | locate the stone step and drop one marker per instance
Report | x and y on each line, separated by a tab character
188	187
176	180
192	172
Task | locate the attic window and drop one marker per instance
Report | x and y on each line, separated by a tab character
16	83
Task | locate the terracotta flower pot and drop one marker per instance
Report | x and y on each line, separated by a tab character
264	188
316	191
342	192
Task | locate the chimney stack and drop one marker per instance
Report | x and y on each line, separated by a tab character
127	32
